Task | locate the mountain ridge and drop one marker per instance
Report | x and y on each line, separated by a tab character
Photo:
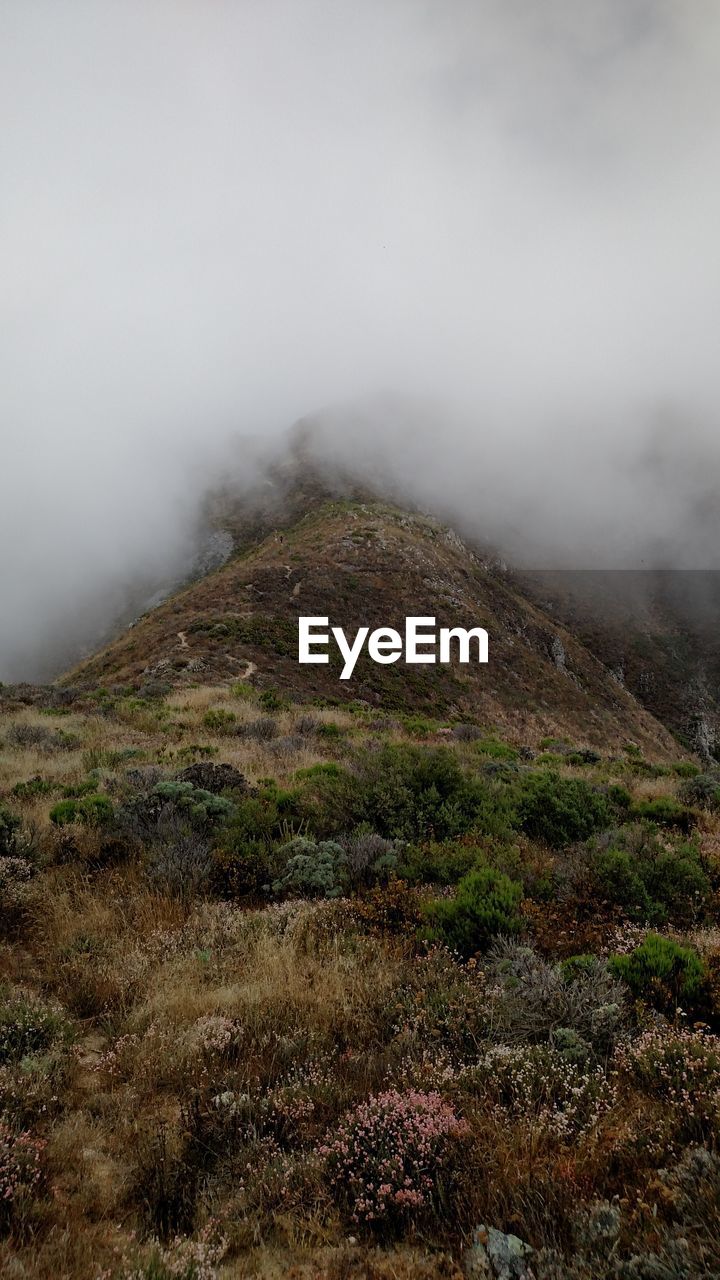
369	563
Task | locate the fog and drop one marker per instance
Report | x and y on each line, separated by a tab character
476	240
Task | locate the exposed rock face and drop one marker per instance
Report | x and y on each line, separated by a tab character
494	1255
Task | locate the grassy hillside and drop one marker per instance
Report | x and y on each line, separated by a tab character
369	564
312	991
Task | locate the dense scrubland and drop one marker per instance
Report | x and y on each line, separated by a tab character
320	991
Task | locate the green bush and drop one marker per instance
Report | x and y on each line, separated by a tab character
91	810
243	691
64	812
95	810
486	904
200	806
650	881
312	869
271	700
9	828
703	789
413	793
31	790
561	810
496	749
663	973
437	863
663	812
219	720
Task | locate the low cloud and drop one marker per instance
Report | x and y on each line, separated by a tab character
475	240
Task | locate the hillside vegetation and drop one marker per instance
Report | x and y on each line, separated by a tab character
313	990
368	564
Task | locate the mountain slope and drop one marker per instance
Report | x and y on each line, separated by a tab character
363	563
657	631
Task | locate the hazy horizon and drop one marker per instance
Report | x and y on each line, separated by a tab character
475	240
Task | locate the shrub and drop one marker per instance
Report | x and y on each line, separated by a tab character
219	720
663	812
413	792
496	749
28	1025
64	812
181	861
681	1069
466	732
662	973
561	810
182	1259
32	789
271	700
391	908
9	828
15	893
241	871
436	862
214	778
369	858
201	807
21	1175
312	869
262	730
385	1157
544	1087
91	810
485	905
577	1006
649	880
702	790
243	691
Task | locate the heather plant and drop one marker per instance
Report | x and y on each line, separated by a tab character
663	973
486	904
385	1158
680	1069
28	1025
182	1259
543	1087
22	1176
16	892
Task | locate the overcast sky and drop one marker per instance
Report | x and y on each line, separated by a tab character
487	230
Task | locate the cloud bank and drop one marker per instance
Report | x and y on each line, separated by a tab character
479	237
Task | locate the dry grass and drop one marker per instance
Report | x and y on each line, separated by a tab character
295	1012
